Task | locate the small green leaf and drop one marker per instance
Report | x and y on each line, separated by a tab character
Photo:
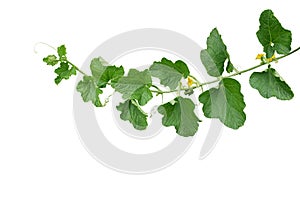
169	73
272	35
64	72
225	103
131	112
180	114
270	84
229	67
214	57
104	74
135	86
50	60
189	91
269	50
89	90
62	52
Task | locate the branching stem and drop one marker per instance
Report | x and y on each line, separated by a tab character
231	75
79	70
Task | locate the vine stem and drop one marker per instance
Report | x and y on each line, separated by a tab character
231	75
79	70
51	47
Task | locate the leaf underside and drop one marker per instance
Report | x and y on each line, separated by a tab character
89	90
270	84
169	73
135	86
180	115
214	57
225	103
131	112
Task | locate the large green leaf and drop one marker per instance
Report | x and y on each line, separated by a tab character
214	57
89	90
169	73
98	66
180	114
225	103
142	95
270	84
103	73
135	86
131	111
272	35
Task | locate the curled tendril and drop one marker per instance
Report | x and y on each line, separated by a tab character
44	44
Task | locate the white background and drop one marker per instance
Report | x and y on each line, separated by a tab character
41	156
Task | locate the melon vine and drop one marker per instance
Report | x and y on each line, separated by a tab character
224	102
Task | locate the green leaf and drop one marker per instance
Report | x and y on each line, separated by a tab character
225	103
169	73
112	74
104	74
50	60
98	66
62	52
270	84
181	115
135	86
189	91
272	35
229	67
131	112
89	90
214	57
64	72
142	95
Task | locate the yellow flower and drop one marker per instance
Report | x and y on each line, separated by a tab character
271	59
259	56
190	81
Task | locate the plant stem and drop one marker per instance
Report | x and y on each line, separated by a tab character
158	90
48	45
83	73
231	75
